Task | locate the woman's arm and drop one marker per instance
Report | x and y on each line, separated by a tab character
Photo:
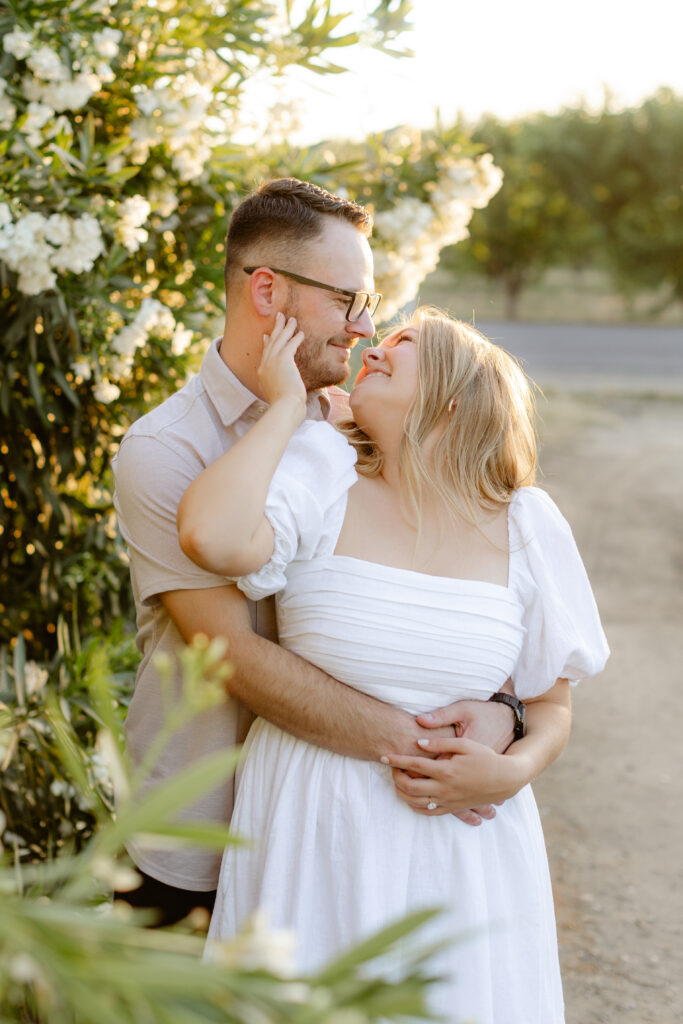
467	774
221	524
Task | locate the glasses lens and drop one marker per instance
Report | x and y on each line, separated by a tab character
373	303
357	307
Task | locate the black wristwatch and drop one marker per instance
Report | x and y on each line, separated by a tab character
519	709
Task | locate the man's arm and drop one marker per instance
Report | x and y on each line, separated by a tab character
289	691
465	769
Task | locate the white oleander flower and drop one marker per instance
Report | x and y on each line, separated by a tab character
35	277
106	392
8	112
115	163
5	215
24	249
94	6
131	238
165	325
82	368
18	43
164	201
46	64
144	133
99	769
133	212
58	228
37	116
107	42
31	88
189	163
180	339
74	93
111	757
149	314
25	970
120	877
129	339
82	247
60	126
121	367
257	947
179	122
35	677
147	101
104	72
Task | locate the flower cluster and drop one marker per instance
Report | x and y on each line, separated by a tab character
173	114
152	319
132	213
54	84
423	228
37	247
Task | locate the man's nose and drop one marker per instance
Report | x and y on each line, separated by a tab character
363	327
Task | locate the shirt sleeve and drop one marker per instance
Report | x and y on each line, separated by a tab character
305	504
564	638
150	480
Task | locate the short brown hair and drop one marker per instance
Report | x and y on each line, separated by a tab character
281	214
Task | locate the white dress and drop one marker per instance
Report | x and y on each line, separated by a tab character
336	854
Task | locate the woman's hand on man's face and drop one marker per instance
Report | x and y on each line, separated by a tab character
278	373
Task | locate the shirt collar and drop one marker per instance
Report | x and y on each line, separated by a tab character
232	400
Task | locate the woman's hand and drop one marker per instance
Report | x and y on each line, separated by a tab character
278	373
468	776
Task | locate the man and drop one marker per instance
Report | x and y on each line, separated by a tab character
291	247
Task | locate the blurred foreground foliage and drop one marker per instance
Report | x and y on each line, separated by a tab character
68	956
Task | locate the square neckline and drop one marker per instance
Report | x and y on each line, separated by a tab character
426	575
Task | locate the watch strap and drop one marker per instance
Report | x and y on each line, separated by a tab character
518	707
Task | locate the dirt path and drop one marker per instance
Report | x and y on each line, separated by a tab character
612	806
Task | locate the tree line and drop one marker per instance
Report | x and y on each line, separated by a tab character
584	189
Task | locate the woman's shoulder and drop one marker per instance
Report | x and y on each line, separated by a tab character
533	508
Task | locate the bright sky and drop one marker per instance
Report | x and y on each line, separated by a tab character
505	56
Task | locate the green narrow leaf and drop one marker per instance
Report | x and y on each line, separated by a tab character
36	391
19	664
151	813
69	393
376	944
206	834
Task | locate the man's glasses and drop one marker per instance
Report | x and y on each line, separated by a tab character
358	301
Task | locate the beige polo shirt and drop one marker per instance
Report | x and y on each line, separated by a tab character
158	458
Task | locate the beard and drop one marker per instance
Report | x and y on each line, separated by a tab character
318	365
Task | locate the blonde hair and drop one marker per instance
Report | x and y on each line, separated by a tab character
488	447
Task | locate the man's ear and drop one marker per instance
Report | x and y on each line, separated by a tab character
266	292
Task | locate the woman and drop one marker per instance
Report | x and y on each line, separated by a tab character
413	559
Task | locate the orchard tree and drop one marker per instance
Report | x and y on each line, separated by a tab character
532	224
623	168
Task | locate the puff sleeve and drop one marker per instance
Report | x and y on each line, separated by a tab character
305	504
563	638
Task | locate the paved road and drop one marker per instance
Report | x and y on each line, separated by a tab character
587	357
